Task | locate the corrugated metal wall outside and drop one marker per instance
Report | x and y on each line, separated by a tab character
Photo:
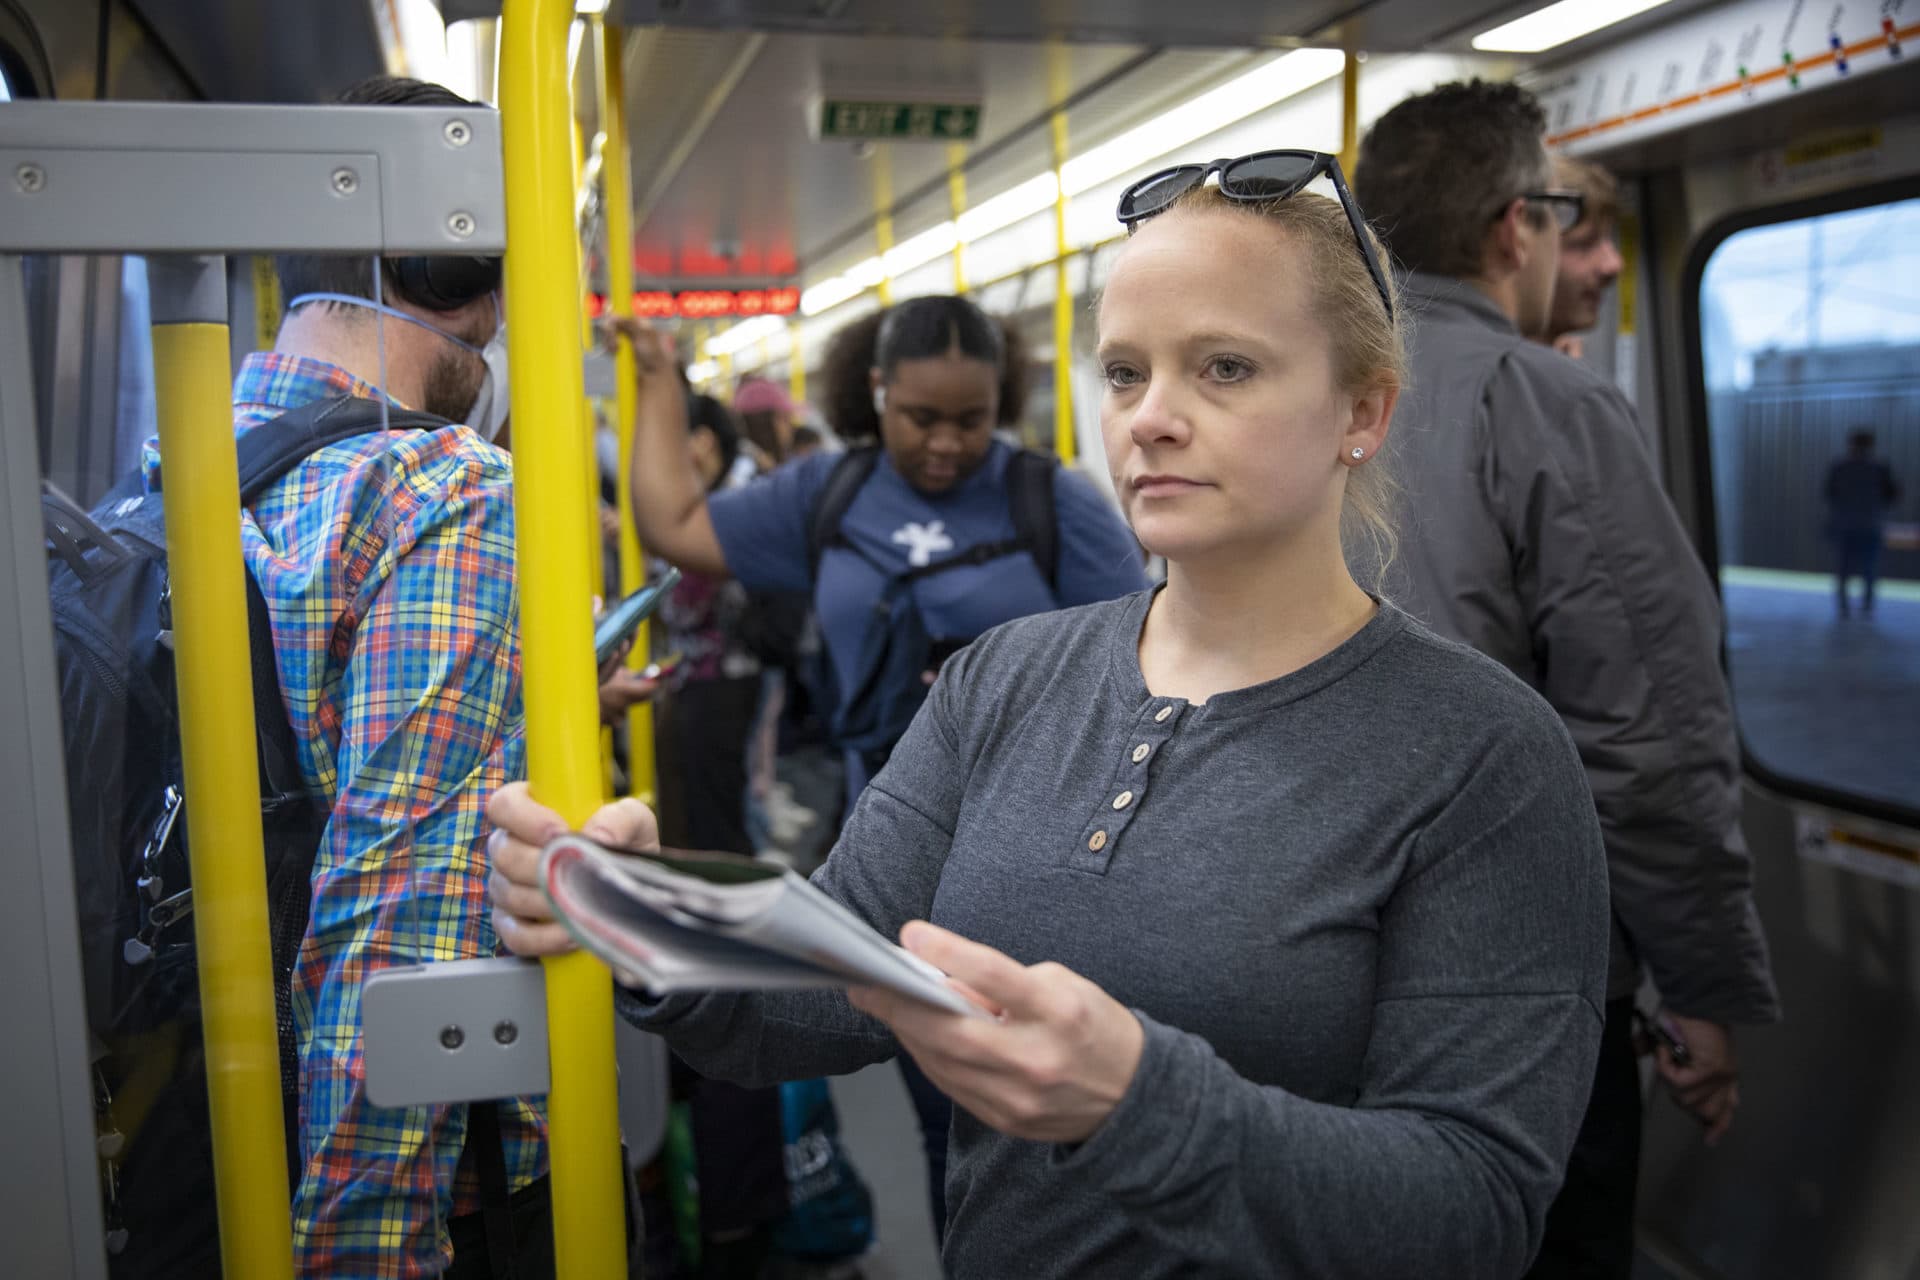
1772	447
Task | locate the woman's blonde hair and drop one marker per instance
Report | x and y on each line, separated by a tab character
1368	349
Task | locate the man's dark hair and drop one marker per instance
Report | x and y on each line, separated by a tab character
352	274
1435	170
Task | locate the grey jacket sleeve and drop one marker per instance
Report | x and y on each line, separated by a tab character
885	868
1626	636
1492	955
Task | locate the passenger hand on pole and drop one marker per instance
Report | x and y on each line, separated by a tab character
522	827
1708	1086
1050	1068
652	349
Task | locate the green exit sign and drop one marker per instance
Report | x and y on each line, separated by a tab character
937	122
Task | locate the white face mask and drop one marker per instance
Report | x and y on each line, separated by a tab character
488	413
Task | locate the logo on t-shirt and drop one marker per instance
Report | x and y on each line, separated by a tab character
922	540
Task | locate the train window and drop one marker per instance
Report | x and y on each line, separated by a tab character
1809	364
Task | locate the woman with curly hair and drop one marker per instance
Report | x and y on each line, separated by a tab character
926	549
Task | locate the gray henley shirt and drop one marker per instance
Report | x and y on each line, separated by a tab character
1360	911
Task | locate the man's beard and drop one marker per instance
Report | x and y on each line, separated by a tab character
453	383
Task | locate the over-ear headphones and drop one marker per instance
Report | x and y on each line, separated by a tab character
442	283
879	399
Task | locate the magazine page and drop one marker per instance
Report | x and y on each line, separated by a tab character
646	947
703	921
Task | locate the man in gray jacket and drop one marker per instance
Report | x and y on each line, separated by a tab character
1536	530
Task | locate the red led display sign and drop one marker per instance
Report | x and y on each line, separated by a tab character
705	304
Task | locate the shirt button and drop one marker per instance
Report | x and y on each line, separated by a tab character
1140	752
1164	713
1122	800
1098	842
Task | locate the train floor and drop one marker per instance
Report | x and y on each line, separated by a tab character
877	1123
882	1138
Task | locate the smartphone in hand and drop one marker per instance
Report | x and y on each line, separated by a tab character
617	625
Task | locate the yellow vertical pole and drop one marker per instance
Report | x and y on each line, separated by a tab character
1063	433
796	366
556	628
957	200
1350	113
582	257
883	216
192	377
616	179
267	304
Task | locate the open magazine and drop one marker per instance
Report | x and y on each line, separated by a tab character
674	921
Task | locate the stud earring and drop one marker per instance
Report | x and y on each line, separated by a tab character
1358	453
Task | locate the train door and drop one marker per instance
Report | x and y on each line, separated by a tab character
1779	360
1768	327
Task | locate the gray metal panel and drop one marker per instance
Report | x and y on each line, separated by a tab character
188	290
49	1200
261	179
455	1031
1816	1179
268	50
1223	23
644	1073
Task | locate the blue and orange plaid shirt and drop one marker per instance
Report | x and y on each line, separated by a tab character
388	570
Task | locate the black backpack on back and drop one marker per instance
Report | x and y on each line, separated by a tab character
111	601
898	653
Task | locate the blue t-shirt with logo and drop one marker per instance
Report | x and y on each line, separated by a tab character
762	529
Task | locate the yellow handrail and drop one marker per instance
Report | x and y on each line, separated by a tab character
617	193
883	217
957	203
555	622
1350	113
796	367
1065	443
202	496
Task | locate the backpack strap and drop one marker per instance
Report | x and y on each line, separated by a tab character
266	454
1030	498
835	498
980	554
272	449
496	1198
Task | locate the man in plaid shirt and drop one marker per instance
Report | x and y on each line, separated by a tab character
387	565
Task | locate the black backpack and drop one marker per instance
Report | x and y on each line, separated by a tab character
898	652
111	603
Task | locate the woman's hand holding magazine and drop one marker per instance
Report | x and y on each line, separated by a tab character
1052	1061
670	921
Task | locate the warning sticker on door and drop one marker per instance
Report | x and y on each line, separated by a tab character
1820	839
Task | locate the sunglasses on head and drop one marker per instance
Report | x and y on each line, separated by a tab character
1566	206
1262	176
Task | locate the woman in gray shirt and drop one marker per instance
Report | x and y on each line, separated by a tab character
1294	913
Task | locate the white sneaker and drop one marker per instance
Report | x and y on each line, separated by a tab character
782	808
